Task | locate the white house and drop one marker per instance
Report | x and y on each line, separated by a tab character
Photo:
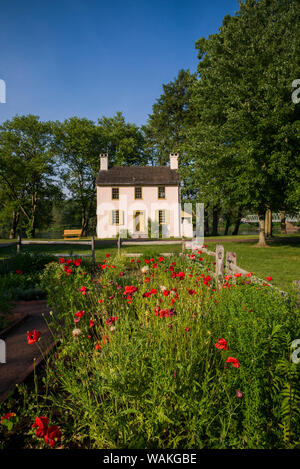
140	201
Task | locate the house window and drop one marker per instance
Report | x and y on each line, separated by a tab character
115	193
161	217
137	192
115	218
161	192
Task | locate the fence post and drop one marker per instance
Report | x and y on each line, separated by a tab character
93	250
230	260
19	244
119	245
182	244
220	262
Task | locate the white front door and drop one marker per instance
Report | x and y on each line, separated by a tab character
139	221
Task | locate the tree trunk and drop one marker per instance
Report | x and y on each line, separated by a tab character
237	223
215	221
262	238
268	223
228	222
15	222
206	223
282	222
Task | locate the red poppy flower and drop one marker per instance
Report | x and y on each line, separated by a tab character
233	361
62	260
19	272
107	255
33	336
238	394
53	435
221	344
41	424
160	259
78	315
132	261
129	290
155	265
147	279
77	262
166	292
188	329
153	291
180	275
8	416
192	292
111	320
146	294
83	290
91	322
269	278
237	275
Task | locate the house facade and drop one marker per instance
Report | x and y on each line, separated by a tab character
139	201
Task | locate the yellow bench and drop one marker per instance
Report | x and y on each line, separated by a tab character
73	233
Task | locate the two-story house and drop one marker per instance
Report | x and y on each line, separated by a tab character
138	201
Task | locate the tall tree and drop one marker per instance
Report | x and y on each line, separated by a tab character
172	114
27	169
123	141
245	146
78	145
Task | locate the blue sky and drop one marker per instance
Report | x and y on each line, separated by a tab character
92	58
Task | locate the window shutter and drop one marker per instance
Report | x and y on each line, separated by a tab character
156	216
110	217
121	217
167	217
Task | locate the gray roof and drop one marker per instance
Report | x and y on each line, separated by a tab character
138	175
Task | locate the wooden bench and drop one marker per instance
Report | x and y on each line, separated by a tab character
72	233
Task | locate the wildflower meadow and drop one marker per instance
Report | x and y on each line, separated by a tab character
152	353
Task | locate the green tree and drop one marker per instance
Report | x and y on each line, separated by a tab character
171	116
27	171
123	141
78	145
244	149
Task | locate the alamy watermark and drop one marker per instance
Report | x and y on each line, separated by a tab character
2	351
296	93
2	91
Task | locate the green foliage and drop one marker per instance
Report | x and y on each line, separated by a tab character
160	382
172	115
27	189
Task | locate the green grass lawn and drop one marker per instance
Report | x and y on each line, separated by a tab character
281	259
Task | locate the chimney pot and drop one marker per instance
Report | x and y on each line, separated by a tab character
174	160
103	161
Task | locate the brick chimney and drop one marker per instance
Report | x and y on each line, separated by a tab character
174	160
104	162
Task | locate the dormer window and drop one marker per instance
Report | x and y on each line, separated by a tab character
115	193
161	192
138	193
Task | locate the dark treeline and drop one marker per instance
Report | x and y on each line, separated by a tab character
233	122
